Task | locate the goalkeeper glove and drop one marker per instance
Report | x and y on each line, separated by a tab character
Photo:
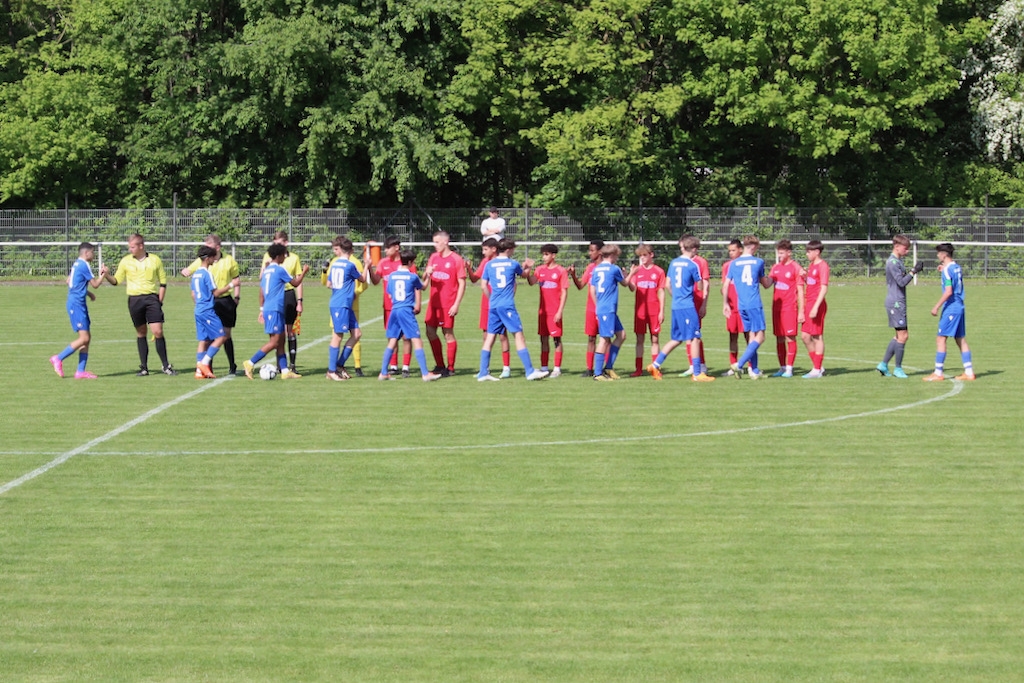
918	267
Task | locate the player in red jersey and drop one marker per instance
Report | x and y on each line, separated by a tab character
590	317
649	312
787	305
490	250
388	264
733	322
447	273
813	332
700	302
554	290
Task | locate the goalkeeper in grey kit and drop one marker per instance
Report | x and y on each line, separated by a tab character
896	279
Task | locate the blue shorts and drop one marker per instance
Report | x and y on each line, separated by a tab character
209	327
753	319
344	320
503	320
608	324
79	318
273	322
402	323
953	322
685	324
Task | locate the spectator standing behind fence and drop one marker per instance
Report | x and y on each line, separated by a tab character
292	297
146	283
493	226
78	311
224	270
896	280
953	320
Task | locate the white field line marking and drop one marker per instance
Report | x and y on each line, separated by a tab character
957	388
64	457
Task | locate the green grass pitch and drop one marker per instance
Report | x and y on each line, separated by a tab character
850	528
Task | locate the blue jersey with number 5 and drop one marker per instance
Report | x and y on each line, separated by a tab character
746	273
500	273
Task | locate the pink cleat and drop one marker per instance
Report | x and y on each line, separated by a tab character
85	374
58	366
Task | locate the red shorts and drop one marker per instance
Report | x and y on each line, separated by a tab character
437	315
698	301
485	308
590	323
547	326
387	317
816	326
784	320
641	324
734	323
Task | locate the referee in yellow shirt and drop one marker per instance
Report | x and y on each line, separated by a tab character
223	271
146	284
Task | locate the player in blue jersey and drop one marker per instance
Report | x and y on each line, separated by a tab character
78	289
210	330
342	276
604	291
405	290
499	283
953	322
682	275
272	309
747	276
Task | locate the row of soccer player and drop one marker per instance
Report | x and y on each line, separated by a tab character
216	292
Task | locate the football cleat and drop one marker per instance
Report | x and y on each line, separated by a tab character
963	378
505	373
358	372
431	376
536	374
143	371
288	373
934	377
703	377
814	374
335	377
779	373
480	378
736	371
557	372
637	373
611	374
898	372
85	374
688	373
58	366
206	371
654	371
756	374
587	373
169	370
602	378
406	375
248	366
787	373
883	369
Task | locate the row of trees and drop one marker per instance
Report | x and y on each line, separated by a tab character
469	102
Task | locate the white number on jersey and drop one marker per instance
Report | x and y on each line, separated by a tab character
399	294
600	281
747	277
337	278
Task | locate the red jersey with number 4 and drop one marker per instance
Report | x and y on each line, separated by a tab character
788	277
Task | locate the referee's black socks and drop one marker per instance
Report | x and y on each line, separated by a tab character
143	352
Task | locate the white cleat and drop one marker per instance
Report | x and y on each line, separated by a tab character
536	374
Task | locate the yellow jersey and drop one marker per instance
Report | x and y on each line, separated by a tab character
142	276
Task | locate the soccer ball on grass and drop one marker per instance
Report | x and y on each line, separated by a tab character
268	371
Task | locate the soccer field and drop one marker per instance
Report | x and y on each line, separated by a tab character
849	528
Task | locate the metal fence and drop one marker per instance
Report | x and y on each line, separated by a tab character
41	243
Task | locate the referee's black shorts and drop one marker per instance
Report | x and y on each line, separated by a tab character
145	309
227	310
291	307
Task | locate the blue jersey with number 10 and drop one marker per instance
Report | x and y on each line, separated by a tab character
500	273
341	277
746	273
402	286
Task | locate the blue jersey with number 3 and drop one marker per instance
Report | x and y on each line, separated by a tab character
746	273
683	274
